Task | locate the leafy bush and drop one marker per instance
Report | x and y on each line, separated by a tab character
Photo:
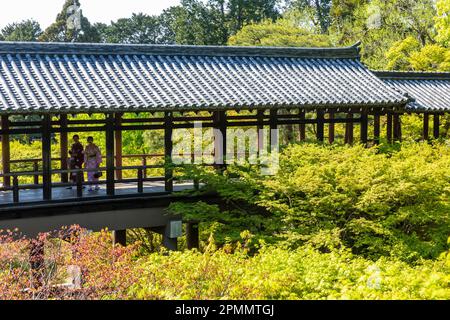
378	201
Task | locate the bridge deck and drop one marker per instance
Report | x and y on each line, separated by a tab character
62	193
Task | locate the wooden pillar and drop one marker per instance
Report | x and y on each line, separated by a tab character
110	183
426	126
120	237
389	127
331	127
47	156
273	125
118	144
302	126
220	139
349	129
364	127
376	128
397	127
169	243
320	125
436	126
63	147
168	147
6	154
260	119
192	237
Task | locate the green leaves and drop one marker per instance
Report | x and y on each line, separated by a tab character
380	203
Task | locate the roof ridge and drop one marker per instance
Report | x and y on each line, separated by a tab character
412	75
350	52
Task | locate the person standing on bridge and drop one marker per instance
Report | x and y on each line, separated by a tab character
92	159
76	158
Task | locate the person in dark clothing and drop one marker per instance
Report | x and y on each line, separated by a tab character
76	157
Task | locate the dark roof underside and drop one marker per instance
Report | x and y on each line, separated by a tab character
75	78
430	90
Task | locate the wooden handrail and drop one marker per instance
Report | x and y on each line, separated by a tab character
123	156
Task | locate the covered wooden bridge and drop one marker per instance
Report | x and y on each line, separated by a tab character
44	86
431	94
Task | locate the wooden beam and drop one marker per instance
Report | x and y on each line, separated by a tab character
168	148
6	154
426	126
302	126
349	129
389	127
260	127
109	128
118	143
46	157
331	130
436	126
220	139
364	127
376	128
63	147
320	125
397	127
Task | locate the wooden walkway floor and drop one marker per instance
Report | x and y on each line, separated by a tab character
62	193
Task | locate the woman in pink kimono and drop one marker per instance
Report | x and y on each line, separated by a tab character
92	160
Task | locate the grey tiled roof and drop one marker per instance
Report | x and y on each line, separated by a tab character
70	78
431	90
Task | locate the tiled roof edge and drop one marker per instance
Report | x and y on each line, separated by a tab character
409	75
352	52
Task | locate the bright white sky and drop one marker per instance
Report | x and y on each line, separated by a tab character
45	11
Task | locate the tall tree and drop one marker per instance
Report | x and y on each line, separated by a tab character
71	26
195	22
379	24
243	12
443	22
280	33
26	30
319	12
140	28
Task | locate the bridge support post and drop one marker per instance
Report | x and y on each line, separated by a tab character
331	130
63	147
426	126
376	128
364	127
168	149
120	237
192	238
349	129
220	140
389	127
302	125
118	142
436	126
320	125
5	151
110	177
47	157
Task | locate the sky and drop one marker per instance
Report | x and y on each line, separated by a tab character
45	11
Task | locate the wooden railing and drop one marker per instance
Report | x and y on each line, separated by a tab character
35	164
79	184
